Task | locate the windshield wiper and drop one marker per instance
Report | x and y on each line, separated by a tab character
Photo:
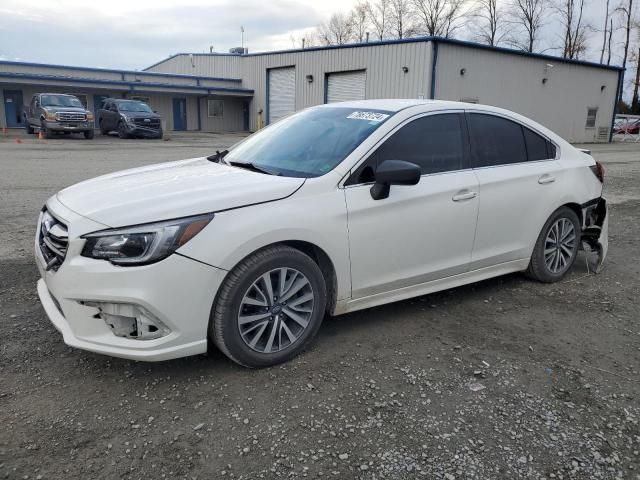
216	157
254	167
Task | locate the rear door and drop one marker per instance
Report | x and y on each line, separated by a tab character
422	232
520	186
281	93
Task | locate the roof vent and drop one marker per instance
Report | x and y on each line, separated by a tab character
238	50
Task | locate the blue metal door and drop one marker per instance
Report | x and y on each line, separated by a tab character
13	108
179	113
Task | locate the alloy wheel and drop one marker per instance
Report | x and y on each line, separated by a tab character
276	310
559	245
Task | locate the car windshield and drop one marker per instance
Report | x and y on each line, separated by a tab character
60	101
134	106
310	143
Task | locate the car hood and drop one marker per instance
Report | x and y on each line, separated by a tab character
172	190
65	109
140	114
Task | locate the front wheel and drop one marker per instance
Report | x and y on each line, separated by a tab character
28	127
556	248
122	130
46	133
269	307
89	134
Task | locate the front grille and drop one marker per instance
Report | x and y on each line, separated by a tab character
151	123
53	240
71	117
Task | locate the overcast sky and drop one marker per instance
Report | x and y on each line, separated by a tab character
134	34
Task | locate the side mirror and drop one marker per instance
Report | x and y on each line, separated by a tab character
394	172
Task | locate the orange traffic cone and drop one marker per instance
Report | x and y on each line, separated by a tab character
4	130
40	135
18	140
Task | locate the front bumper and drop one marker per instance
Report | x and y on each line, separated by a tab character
177	290
138	130
69	126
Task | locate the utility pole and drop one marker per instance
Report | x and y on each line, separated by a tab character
242	37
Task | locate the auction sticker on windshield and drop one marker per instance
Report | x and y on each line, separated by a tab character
370	116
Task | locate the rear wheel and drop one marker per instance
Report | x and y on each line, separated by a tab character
556	248
269	307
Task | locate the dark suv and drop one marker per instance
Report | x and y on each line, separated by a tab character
130	118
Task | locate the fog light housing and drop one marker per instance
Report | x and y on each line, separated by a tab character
129	320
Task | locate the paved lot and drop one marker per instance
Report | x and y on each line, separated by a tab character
383	393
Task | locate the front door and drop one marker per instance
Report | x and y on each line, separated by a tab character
13	108
419	233
179	113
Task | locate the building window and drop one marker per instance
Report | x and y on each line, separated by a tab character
215	108
141	99
591	117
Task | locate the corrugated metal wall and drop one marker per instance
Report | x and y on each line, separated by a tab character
232	120
383	63
223	66
515	83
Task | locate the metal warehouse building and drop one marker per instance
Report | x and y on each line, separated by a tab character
236	92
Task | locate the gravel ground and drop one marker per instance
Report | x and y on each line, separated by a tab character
505	378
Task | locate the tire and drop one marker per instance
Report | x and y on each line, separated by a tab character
89	134
160	134
122	130
46	133
103	131
28	127
241	293
559	259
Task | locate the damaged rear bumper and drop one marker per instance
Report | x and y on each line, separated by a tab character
595	230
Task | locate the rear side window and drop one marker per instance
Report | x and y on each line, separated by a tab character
496	140
434	142
537	146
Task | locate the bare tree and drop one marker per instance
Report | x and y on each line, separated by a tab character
574	28
337	30
400	18
606	26
491	28
378	13
609	42
626	9
635	108
439	17
360	21
528	16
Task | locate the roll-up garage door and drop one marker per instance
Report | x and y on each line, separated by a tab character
282	96
346	86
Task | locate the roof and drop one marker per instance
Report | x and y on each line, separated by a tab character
395	104
421	39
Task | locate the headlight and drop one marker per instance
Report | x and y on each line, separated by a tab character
143	244
50	115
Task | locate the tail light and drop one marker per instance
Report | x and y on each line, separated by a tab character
598	171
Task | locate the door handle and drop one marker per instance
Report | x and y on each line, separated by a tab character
546	178
464	195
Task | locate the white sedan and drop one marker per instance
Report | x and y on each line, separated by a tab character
334	209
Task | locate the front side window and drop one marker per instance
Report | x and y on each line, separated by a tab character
495	140
435	143
309	143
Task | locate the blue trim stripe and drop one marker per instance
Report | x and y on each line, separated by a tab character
450	41
132	85
121	72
